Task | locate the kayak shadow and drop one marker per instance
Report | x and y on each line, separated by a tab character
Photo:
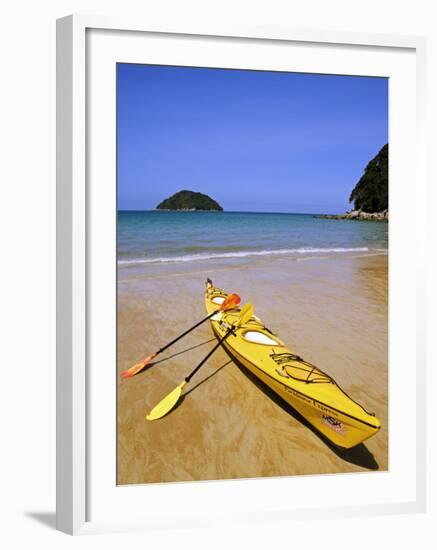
186	394
358	455
208	377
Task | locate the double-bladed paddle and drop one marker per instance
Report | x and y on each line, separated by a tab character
229	303
170	400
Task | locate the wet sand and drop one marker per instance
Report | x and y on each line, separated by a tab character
332	311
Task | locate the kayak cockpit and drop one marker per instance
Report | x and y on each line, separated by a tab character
259	337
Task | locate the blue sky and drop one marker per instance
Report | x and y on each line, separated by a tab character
253	141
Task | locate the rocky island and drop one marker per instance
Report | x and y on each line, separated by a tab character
370	194
189	201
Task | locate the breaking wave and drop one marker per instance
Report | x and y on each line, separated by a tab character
240	254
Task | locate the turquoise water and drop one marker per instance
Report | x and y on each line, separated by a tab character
159	237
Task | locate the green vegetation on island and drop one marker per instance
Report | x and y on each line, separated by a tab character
189	200
371	193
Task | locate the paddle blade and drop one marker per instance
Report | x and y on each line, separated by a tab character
139	366
166	404
246	314
231	301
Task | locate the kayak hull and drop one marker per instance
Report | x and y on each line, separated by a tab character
311	392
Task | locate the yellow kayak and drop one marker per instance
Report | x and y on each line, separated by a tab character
310	391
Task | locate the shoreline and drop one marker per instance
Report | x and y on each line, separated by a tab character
128	271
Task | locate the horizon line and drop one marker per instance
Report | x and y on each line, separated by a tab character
225	211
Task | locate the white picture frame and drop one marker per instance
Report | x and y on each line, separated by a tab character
74	459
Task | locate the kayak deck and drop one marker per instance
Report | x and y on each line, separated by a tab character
310	391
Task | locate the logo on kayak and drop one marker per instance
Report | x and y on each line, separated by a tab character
334	424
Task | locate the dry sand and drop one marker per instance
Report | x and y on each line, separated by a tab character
333	312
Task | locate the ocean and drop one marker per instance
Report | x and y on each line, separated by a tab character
160	237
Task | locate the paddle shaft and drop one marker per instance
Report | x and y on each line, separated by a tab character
185	333
219	343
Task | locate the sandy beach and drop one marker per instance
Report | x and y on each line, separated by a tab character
331	311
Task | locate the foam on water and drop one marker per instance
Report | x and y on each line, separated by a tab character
242	254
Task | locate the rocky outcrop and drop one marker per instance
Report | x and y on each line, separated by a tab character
358	215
